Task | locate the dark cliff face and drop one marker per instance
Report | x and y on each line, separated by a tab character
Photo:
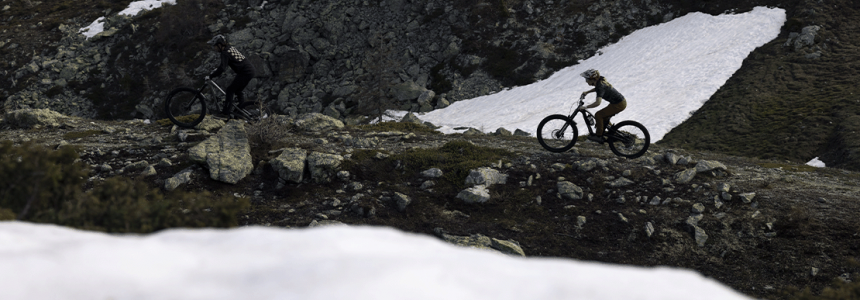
786	102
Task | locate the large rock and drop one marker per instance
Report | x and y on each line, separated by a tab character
475	194
410	118
323	167
407	91
402	201
29	118
710	167
290	165
227	154
180	178
210	124
685	176
317	122
481	241
568	190
486	176
432	173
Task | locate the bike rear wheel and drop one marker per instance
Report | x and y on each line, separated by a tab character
185	107
628	139
557	133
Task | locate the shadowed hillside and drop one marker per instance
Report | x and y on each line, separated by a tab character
795	98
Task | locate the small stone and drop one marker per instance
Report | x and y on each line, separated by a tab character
427	184
432	173
649	229
698	208
402	201
747	197
701	236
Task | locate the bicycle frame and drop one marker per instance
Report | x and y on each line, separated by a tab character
212	83
585	114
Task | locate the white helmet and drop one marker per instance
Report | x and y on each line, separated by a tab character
590	74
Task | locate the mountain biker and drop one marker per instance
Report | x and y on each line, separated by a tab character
243	68
604	90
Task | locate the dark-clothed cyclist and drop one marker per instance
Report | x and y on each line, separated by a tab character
604	90
243	68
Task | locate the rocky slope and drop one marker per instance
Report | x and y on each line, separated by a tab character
759	226
794	98
329	57
798	227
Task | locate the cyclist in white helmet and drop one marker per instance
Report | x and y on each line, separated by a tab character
604	90
236	61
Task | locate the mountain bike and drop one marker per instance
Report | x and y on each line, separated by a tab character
186	106
558	133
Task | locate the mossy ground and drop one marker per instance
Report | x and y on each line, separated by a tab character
783	105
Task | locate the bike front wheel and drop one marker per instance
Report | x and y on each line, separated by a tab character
628	139
557	133
185	107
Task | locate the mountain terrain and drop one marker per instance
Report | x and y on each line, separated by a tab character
767	228
793	99
755	218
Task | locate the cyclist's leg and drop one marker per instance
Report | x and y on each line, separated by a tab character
236	87
603	115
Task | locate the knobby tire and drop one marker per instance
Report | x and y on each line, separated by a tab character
557	133
628	139
185	107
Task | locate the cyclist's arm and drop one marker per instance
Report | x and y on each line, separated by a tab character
220	68
595	104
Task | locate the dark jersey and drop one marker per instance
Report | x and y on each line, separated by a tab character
233	58
607	92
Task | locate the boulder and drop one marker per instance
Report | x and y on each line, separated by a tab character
568	190
710	167
210	124
620	182
519	132
685	176
180	178
432	173
407	91
475	194
410	118
402	201
227	154
747	197
507	246
29	118
486	176
317	122
323	166
290	165
503	132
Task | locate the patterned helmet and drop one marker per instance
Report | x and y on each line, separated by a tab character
590	74
218	40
